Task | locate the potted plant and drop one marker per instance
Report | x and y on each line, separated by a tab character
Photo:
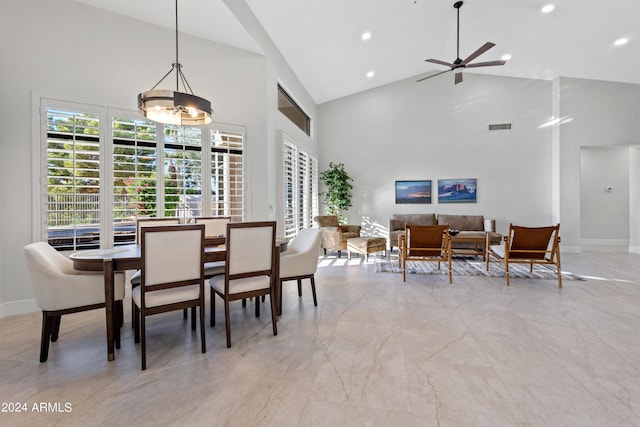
337	198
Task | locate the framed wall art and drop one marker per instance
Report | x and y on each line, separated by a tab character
413	191
457	190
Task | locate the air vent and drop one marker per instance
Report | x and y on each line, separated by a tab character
503	126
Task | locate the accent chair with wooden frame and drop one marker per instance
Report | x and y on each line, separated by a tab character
172	276
425	243
250	269
334	235
300	261
60	289
529	245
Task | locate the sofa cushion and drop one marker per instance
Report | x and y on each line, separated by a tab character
462	222
398	221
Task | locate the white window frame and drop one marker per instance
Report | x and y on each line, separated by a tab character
300	174
40	104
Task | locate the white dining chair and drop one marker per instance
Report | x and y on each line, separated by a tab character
300	260
250	267
60	290
140	224
214	226
172	277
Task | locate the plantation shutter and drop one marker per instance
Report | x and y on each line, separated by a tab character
73	179
289	179
182	171
227	174
135	191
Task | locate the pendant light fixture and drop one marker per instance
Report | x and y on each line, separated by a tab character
175	107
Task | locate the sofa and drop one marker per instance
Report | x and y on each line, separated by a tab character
334	235
467	225
398	221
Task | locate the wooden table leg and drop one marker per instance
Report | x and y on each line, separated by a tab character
108	305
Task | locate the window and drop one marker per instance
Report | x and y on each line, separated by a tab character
183	171
288	107
300	189
135	190
72	178
154	170
227	172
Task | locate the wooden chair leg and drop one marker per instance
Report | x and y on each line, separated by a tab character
121	308
143	338
133	316
313	290
117	322
55	327
202	334
299	287
193	318
280	300
227	321
559	269
44	339
212	309
257	306
136	324
185	314
244	302
506	271
273	315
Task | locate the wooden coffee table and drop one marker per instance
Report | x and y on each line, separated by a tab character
478	243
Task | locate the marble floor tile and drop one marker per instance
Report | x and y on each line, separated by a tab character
376	351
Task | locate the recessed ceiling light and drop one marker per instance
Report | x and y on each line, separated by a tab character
506	57
366	35
548	8
370	74
622	41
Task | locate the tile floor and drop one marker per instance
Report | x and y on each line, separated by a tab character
375	352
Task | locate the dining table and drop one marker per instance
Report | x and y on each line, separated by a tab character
129	257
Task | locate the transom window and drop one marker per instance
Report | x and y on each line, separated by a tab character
291	109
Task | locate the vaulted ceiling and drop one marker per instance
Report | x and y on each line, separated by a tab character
322	39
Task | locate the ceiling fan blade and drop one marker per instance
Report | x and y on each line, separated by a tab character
458	78
485	47
486	64
432	75
437	61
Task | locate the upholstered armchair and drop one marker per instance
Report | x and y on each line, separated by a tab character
334	235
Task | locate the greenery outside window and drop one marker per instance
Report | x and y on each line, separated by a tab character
156	171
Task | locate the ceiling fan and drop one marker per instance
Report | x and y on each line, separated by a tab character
458	65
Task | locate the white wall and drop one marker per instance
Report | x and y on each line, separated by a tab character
278	72
604	196
70	51
634	200
598	113
437	130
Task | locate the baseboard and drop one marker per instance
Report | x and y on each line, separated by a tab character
18	307
634	249
604	242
